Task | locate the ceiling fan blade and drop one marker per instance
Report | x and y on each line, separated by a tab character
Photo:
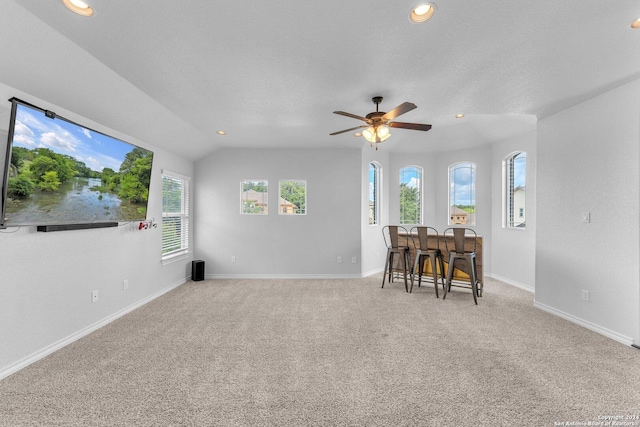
400	109
413	126
347	130
342	113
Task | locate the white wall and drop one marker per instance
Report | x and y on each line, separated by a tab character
279	245
47	278
373	249
588	161
513	249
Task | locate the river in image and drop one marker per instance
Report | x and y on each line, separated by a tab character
73	202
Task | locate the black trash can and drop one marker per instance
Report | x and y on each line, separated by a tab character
197	270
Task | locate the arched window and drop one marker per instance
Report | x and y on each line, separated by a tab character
462	193
515	168
411	195
374	193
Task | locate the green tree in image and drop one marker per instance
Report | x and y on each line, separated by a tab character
132	189
49	181
110	179
48	161
294	192
135	173
409	205
467	208
19	155
42	165
20	187
259	186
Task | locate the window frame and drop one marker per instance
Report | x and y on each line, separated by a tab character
265	211
183	217
306	196
375	179
420	172
510	217
472	191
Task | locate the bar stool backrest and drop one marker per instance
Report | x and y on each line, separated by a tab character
390	234
426	238
459	234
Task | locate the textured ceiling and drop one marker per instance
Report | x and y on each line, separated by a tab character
270	73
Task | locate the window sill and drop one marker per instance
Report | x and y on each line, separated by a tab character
169	259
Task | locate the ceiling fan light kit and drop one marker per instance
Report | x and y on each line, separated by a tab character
378	122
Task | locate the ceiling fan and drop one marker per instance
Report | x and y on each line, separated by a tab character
378	122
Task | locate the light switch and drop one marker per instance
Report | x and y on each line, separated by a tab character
586	217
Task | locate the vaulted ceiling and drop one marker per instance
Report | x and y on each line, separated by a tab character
270	73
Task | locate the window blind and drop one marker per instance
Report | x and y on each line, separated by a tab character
175	214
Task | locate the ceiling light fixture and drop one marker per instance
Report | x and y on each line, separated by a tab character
422	13
221	132
79	7
379	123
459	116
376	133
635	24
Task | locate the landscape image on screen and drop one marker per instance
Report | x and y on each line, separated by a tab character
63	173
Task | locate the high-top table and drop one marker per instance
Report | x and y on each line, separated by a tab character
461	271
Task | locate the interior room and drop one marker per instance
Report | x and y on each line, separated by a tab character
234	96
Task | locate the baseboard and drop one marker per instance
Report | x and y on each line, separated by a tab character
373	272
511	282
283	276
585	323
40	354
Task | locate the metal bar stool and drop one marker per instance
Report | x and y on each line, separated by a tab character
427	246
458	252
390	234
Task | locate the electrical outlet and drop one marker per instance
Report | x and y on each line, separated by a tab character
354	260
233	258
339	260
585	295
125	284
94	296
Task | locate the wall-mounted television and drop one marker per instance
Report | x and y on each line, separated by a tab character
57	172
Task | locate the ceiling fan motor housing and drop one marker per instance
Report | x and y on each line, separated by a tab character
376	116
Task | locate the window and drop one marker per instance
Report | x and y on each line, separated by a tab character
374	193
255	197
293	197
515	166
462	193
411	195
175	214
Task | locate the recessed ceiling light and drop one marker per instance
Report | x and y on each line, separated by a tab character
422	12
635	24
79	7
357	134
459	116
221	132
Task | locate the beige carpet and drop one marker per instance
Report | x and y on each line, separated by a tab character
329	353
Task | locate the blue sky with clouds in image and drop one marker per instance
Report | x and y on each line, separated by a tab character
34	130
462	179
519	170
